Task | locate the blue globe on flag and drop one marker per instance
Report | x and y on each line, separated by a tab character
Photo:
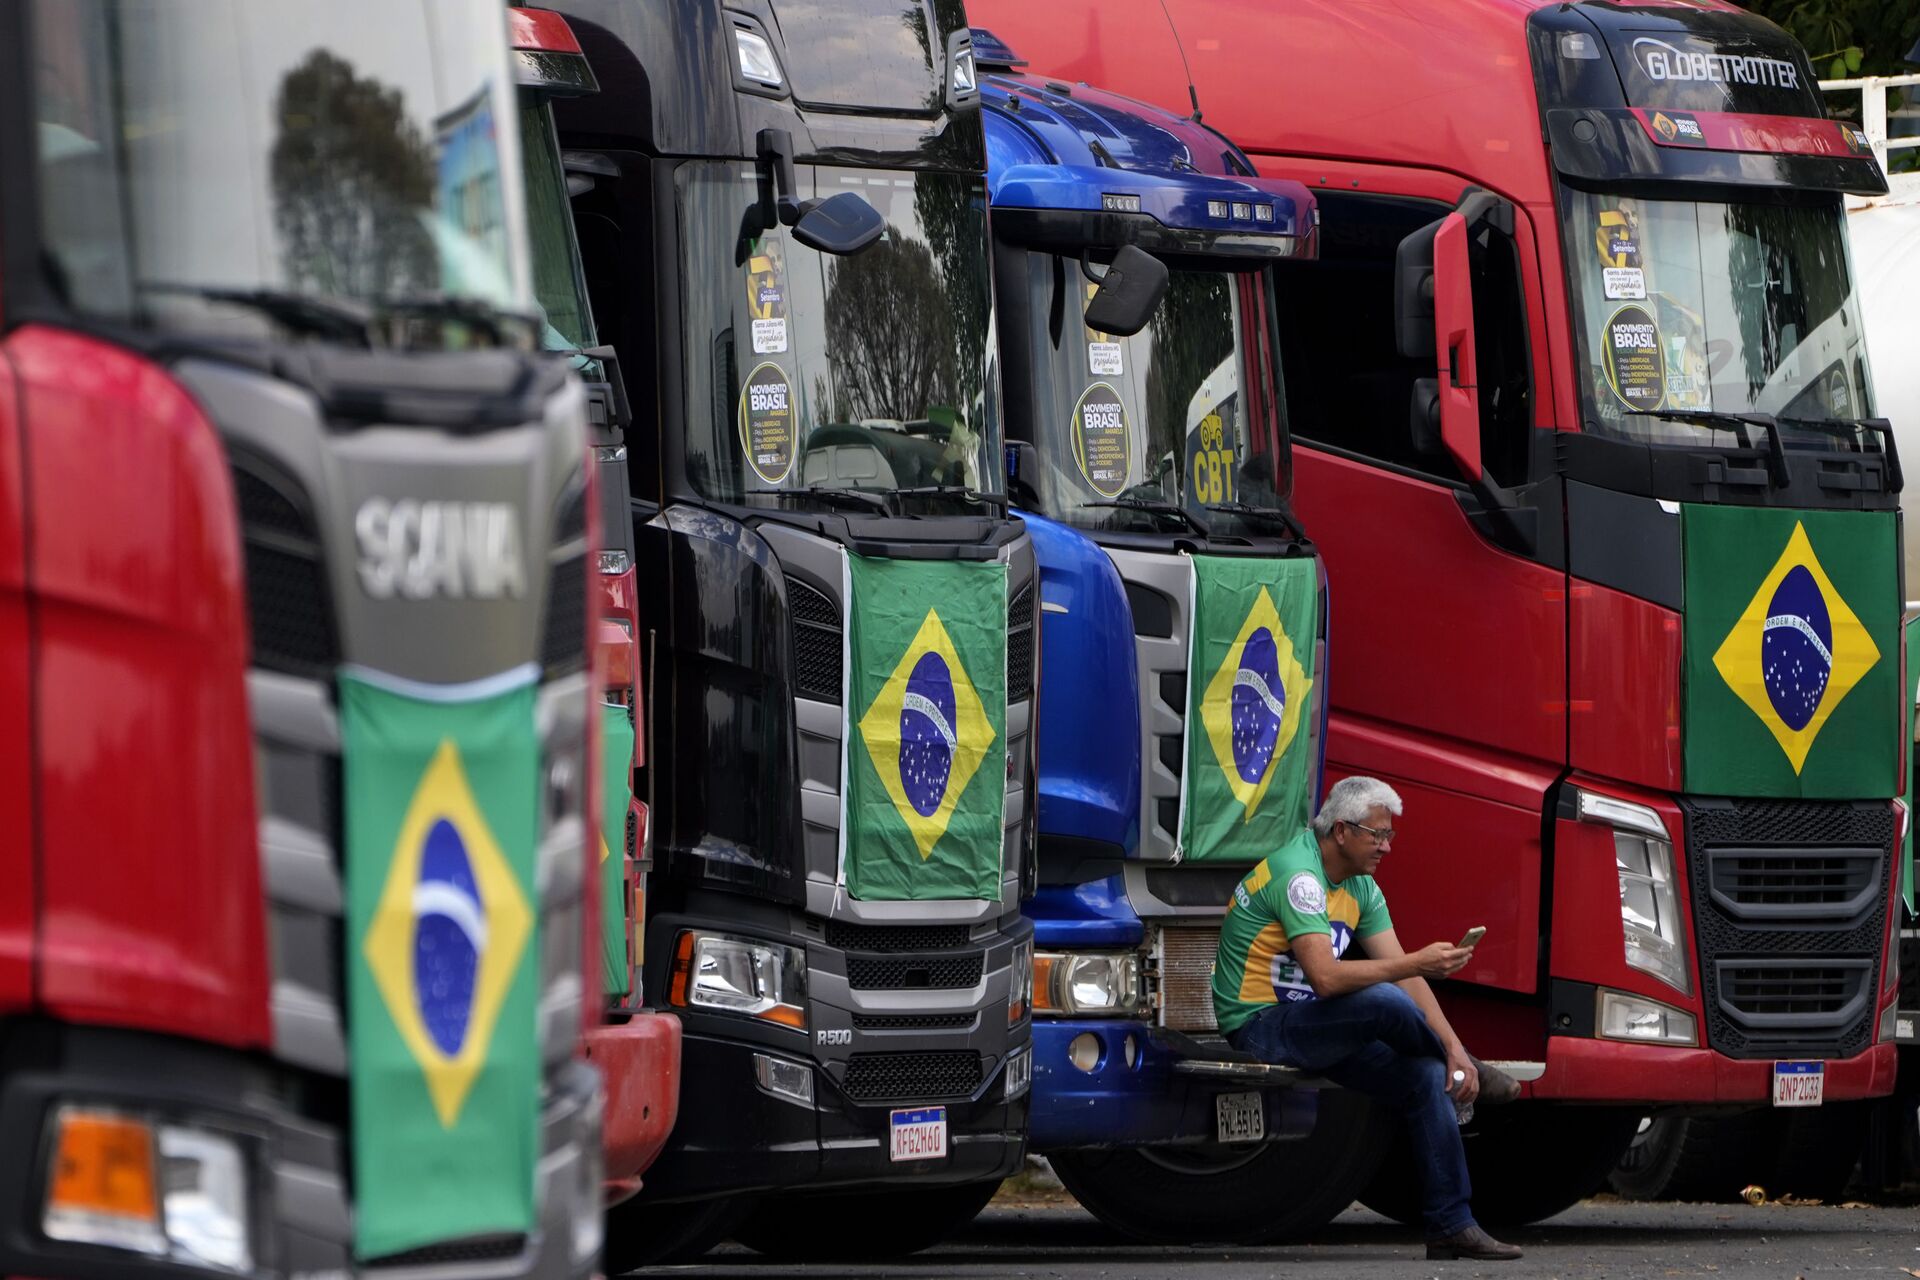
1259	702
927	738
1796	648
449	937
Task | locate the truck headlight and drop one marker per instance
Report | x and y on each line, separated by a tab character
128	1181
1086	984
740	975
1019	1071
1623	1016
1650	922
1020	996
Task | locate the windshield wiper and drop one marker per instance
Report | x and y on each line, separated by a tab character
1247	510
493	321
1158	506
833	496
304	312
1738	423
953	491
1878	426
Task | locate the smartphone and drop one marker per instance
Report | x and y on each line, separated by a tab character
1474	935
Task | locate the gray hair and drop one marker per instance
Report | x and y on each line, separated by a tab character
1350	800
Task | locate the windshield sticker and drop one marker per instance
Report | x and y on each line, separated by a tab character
1618	238
1839	396
1101	439
1678	129
1683	340
1634	360
1103	359
1211	455
767	296
766	422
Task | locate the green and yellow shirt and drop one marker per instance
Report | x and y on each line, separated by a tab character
1283	897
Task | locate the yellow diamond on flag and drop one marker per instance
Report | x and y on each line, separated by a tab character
447	933
927	733
1796	651
1253	702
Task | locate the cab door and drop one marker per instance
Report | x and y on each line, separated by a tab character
1448	623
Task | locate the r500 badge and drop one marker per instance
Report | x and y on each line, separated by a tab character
833	1036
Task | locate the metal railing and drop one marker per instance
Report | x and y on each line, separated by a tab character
1902	187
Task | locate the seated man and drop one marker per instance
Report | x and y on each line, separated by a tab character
1282	992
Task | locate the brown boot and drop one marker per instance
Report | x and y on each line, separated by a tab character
1497	1088
1471	1243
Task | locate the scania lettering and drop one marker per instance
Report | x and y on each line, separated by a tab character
1183	627
294	523
1631	643
840	668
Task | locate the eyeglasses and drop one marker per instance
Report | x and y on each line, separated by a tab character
1383	836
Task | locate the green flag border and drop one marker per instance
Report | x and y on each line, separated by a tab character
1186	713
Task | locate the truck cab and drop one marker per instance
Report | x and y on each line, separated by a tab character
293	551
790	247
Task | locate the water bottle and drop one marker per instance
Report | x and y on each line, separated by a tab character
1463	1111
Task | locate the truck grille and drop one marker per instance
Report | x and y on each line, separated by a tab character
913	1021
289	608
563	646
816	642
1186	977
1020	646
1789	905
471	1250
912	1077
913	973
845	936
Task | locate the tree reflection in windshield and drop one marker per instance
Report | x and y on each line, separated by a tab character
889	335
348	169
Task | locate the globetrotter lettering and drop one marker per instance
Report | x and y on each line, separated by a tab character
1661	61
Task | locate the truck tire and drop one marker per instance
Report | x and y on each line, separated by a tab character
861	1226
1232	1194
1702	1158
1527	1161
645	1233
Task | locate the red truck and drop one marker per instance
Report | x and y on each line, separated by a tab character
1586	436
295	689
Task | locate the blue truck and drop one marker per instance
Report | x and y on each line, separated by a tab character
1136	313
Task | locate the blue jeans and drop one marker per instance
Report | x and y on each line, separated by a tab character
1376	1041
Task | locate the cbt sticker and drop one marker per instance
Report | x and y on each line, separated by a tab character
766	422
767	296
1102	442
1634	364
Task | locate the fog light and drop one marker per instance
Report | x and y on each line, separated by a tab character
1019	1071
1890	1024
1630	1017
1084	1051
790	1080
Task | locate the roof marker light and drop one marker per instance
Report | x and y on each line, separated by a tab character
1216	208
965	78
757	62
1263	213
1113	203
1242	210
1579	46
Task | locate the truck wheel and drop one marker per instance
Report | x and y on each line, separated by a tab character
864	1225
648	1234
1232	1194
1706	1158
1527	1161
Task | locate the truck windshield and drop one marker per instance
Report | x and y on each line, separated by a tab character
1154	432
1696	307
806	370
559	280
229	169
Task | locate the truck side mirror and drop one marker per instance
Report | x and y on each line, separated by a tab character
1433	320
1128	294
840	224
1023	474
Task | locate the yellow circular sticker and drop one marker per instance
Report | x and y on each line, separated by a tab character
766	422
1102	442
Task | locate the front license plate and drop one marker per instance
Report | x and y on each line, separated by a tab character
1799	1084
1239	1117
919	1134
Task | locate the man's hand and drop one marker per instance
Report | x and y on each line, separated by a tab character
1458	1061
1439	960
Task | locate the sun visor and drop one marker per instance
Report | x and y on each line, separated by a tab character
1069	208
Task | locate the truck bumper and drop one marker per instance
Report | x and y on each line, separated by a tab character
734	1136
302	1210
639	1064
1582	1070
1133	1097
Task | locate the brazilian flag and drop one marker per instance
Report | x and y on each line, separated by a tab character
616	791
1247	786
924	805
441	946
1791	668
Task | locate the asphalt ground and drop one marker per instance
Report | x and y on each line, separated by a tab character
1046	1236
